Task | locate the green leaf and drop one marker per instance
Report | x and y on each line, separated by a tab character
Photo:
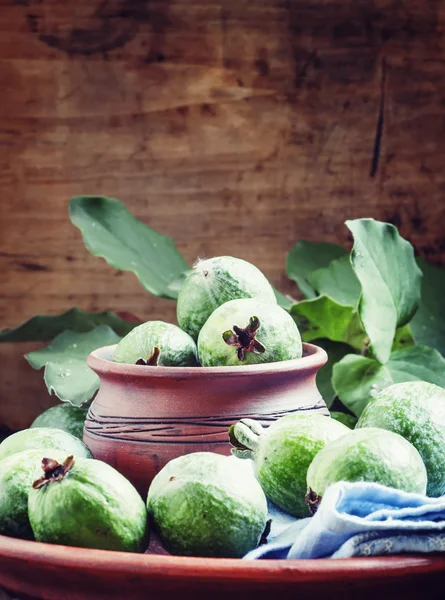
403	338
345	418
110	231
323	317
390	278
335	351
306	257
338	281
284	301
428	325
67	374
175	285
45	327
357	379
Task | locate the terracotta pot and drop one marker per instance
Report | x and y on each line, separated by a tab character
63	573
142	417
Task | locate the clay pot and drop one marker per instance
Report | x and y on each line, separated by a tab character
142	417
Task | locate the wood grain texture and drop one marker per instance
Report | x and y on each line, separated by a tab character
234	127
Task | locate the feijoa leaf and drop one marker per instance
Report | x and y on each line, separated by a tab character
43	328
428	324
284	301
390	280
338	281
306	257
323	317
110	231
67	374
335	351
357	378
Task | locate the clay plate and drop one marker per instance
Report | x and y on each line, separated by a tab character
62	573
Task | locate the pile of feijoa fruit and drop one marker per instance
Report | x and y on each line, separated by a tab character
204	504
228	316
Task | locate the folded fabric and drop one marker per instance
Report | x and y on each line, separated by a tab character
359	519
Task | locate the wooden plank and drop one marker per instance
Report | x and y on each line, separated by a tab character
234	127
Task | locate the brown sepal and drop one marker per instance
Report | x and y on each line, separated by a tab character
313	501
152	358
244	339
263	538
54	471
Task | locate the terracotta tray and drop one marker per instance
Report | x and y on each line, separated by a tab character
61	573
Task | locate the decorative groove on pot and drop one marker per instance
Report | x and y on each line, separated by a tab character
186	430
143	417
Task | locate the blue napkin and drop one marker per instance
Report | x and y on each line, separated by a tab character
358	519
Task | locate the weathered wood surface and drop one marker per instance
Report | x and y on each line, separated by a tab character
236	127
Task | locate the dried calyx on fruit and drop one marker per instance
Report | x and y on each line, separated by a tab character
85	502
244	339
17	473
156	343
313	501
53	471
152	358
270	335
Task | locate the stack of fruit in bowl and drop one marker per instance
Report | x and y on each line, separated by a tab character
205	504
229	309
56	492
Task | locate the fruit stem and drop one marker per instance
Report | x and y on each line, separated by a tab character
244	437
53	471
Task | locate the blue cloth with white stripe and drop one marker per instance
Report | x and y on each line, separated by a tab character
358	519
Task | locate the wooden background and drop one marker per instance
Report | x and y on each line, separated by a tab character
236	127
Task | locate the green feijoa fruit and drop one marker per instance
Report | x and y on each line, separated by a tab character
205	504
213	282
43	437
416	411
85	502
63	416
247	331
17	474
282	454
369	454
157	343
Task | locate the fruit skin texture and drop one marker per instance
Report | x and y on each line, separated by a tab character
43	437
93	506
215	281
177	348
277	333
17	474
283	452
370	454
205	504
416	411
63	416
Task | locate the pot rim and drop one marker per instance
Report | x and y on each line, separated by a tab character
314	358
